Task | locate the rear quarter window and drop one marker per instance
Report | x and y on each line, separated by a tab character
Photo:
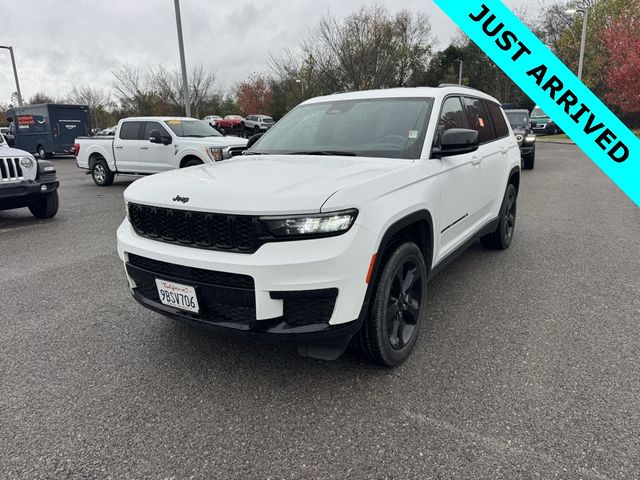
499	122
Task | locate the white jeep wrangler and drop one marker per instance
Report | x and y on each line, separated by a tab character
329	227
27	182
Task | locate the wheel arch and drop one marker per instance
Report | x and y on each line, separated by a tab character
188	157
514	178
416	227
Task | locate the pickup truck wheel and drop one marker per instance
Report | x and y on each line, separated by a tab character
391	328
192	163
501	238
45	207
101	174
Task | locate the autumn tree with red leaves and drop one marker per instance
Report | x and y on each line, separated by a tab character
254	96
622	40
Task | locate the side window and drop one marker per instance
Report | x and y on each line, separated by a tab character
130	131
499	123
478	118
150	127
452	116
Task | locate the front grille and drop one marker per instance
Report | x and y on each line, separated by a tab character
222	296
235	151
10	170
197	229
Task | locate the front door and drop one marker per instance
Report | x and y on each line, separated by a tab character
157	157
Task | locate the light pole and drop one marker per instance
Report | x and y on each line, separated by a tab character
460	71
15	74
183	63
301	85
583	42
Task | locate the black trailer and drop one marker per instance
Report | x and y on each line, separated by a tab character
48	129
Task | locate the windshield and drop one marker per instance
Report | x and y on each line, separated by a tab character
518	119
192	128
537	112
385	128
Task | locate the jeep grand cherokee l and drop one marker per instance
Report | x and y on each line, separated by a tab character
328	229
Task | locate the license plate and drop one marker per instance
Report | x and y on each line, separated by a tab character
177	295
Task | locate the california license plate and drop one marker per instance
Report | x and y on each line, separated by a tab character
178	295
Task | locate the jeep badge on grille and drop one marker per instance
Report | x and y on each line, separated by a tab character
178	198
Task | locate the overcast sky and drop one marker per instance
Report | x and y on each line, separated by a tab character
62	43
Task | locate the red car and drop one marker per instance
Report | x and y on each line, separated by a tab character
230	122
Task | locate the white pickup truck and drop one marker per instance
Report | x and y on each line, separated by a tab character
146	145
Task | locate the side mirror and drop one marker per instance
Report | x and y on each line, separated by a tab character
157	137
253	139
457	141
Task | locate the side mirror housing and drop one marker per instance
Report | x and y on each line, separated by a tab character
457	141
156	136
253	139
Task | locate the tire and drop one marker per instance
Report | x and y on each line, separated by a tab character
390	330
501	238
529	160
256	130
101	174
192	163
45	207
42	153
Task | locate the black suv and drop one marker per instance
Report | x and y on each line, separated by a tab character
521	125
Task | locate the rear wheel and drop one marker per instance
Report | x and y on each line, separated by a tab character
501	238
101	174
391	328
45	207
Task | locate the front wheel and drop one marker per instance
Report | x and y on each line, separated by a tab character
501	238
42	153
391	328
45	207
192	163
529	160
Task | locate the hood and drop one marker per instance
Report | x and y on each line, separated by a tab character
215	141
7	151
258	185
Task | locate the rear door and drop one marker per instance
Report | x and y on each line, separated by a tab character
459	183
127	147
495	170
490	157
68	123
156	157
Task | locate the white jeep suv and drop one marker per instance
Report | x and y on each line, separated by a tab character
329	227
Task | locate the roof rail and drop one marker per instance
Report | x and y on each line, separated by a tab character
444	85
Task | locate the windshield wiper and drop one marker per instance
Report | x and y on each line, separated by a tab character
195	136
250	152
339	153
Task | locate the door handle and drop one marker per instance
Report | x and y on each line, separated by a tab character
475	161
144	148
504	150
118	146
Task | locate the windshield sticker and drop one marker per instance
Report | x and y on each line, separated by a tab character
174	122
413	134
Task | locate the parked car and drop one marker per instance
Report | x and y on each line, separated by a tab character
107	132
212	119
27	182
258	123
328	228
48	129
541	123
145	145
230	122
521	125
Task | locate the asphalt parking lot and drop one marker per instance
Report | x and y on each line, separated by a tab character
528	365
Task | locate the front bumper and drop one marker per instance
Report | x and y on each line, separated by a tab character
24	193
527	148
296	291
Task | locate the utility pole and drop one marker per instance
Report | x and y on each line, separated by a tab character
15	74
583	41
183	63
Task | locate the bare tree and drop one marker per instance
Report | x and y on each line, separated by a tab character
97	99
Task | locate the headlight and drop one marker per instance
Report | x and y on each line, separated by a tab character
216	154
27	163
333	223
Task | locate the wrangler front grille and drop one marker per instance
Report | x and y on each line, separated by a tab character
10	170
212	231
